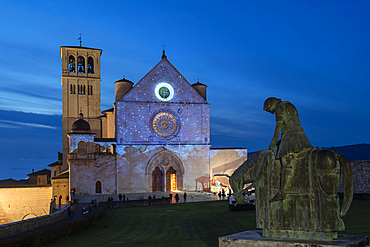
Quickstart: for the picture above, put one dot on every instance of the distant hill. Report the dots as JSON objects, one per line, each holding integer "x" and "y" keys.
{"x": 351, "y": 152}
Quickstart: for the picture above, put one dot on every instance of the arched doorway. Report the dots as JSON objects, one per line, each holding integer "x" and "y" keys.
{"x": 157, "y": 178}
{"x": 98, "y": 187}
{"x": 169, "y": 165}
{"x": 171, "y": 179}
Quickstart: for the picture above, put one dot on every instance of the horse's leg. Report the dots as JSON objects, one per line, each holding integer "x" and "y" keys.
{"x": 248, "y": 172}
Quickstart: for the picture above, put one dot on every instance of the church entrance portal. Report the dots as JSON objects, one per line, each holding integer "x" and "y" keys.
{"x": 157, "y": 178}
{"x": 171, "y": 181}
{"x": 165, "y": 172}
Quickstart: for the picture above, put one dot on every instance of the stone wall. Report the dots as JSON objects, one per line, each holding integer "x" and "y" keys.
{"x": 12, "y": 229}
{"x": 226, "y": 161}
{"x": 61, "y": 188}
{"x": 49, "y": 233}
{"x": 22, "y": 203}
{"x": 361, "y": 177}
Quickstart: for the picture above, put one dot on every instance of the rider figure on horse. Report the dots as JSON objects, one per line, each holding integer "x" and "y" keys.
{"x": 293, "y": 139}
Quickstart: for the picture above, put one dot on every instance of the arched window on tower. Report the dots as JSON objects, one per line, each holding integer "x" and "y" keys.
{"x": 81, "y": 64}
{"x": 72, "y": 64}
{"x": 90, "y": 65}
{"x": 81, "y": 147}
{"x": 98, "y": 187}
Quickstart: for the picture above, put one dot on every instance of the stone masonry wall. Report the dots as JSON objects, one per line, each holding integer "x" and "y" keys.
{"x": 15, "y": 228}
{"x": 361, "y": 177}
{"x": 24, "y": 203}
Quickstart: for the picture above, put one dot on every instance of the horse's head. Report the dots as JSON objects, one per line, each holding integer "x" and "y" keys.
{"x": 237, "y": 187}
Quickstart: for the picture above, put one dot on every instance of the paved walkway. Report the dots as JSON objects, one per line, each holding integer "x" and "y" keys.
{"x": 191, "y": 196}
{"x": 83, "y": 201}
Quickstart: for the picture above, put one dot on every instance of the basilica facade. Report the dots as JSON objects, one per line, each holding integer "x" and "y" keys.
{"x": 155, "y": 138}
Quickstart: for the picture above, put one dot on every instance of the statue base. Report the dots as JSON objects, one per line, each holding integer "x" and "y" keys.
{"x": 255, "y": 239}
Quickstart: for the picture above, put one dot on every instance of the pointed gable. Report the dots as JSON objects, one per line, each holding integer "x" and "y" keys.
{"x": 163, "y": 72}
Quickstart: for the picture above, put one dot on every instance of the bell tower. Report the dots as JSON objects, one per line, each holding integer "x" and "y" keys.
{"x": 80, "y": 90}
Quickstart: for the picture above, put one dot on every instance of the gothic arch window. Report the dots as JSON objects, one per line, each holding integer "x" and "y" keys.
{"x": 98, "y": 187}
{"x": 72, "y": 64}
{"x": 81, "y": 64}
{"x": 90, "y": 65}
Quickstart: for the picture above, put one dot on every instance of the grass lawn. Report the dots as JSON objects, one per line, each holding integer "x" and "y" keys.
{"x": 189, "y": 224}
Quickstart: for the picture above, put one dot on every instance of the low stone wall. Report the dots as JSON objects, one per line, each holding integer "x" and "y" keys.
{"x": 50, "y": 233}
{"x": 12, "y": 229}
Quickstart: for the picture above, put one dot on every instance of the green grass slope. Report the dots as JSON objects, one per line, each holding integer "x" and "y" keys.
{"x": 190, "y": 224}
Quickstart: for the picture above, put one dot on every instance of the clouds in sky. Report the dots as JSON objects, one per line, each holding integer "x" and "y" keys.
{"x": 312, "y": 53}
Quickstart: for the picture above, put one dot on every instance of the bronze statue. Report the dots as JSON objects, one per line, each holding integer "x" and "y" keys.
{"x": 293, "y": 138}
{"x": 296, "y": 184}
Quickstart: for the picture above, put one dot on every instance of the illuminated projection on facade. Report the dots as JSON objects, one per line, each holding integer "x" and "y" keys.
{"x": 155, "y": 138}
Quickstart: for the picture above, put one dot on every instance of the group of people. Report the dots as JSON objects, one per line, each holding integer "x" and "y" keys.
{"x": 177, "y": 197}
{"x": 122, "y": 197}
{"x": 222, "y": 194}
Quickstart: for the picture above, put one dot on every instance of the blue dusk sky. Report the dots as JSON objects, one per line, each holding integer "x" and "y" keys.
{"x": 315, "y": 54}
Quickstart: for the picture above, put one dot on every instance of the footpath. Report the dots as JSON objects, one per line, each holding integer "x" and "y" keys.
{"x": 84, "y": 201}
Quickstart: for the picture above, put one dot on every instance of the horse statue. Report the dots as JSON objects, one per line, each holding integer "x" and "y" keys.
{"x": 296, "y": 193}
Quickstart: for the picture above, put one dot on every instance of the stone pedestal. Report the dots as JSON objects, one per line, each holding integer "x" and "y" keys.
{"x": 255, "y": 239}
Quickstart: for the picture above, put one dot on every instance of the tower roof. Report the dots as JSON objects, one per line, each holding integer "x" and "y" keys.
{"x": 124, "y": 80}
{"x": 81, "y": 126}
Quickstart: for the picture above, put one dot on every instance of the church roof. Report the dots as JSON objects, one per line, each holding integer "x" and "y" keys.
{"x": 62, "y": 175}
{"x": 13, "y": 182}
{"x": 164, "y": 71}
{"x": 109, "y": 110}
{"x": 56, "y": 163}
{"x": 41, "y": 172}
